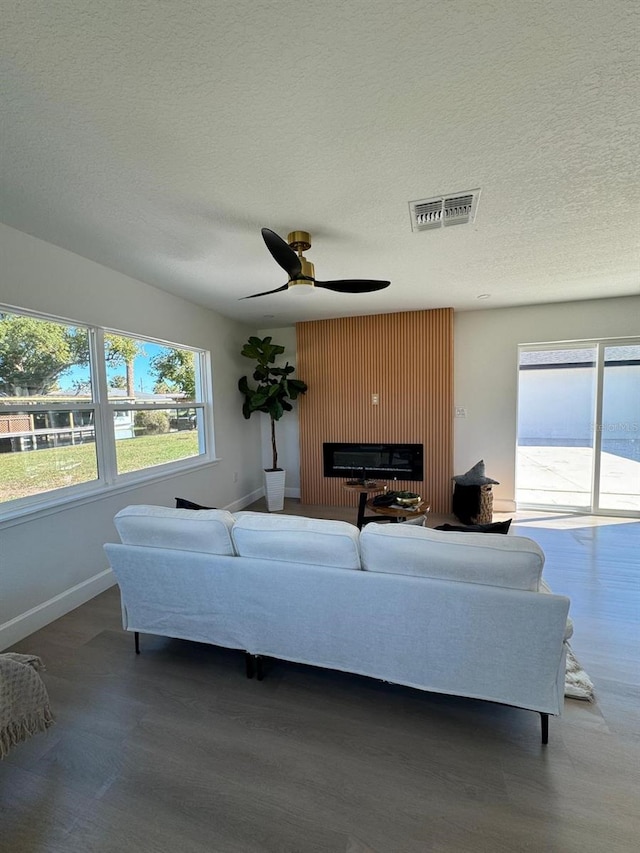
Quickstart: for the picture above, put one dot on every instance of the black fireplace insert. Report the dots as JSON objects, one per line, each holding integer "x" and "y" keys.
{"x": 378, "y": 461}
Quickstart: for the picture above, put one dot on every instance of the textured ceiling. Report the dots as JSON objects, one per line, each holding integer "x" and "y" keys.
{"x": 157, "y": 137}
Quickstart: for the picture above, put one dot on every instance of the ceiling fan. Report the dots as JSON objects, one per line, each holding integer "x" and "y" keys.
{"x": 300, "y": 271}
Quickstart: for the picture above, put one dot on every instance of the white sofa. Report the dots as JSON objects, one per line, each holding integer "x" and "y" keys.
{"x": 455, "y": 613}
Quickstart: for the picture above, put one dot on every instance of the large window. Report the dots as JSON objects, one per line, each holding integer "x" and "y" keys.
{"x": 83, "y": 408}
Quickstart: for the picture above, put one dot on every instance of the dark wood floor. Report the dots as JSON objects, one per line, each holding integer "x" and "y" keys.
{"x": 175, "y": 751}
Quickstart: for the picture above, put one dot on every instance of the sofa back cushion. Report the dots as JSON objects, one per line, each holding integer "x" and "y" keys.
{"x": 294, "y": 539}
{"x": 208, "y": 530}
{"x": 508, "y": 561}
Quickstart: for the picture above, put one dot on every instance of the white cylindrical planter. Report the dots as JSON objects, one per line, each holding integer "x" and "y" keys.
{"x": 274, "y": 489}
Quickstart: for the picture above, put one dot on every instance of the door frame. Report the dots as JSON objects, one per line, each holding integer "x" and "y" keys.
{"x": 600, "y": 344}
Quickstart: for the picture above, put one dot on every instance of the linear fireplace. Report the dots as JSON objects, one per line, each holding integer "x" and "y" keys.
{"x": 383, "y": 461}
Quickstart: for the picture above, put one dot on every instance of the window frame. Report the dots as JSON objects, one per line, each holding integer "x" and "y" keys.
{"x": 108, "y": 479}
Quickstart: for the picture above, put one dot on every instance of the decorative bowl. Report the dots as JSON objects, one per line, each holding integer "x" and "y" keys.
{"x": 407, "y": 499}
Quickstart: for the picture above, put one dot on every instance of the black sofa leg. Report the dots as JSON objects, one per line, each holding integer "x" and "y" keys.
{"x": 253, "y": 664}
{"x": 136, "y": 639}
{"x": 544, "y": 721}
{"x": 249, "y": 664}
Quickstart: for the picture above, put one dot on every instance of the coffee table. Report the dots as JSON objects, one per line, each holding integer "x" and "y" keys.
{"x": 364, "y": 490}
{"x": 399, "y": 514}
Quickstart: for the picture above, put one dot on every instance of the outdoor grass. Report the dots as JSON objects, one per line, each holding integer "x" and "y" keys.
{"x": 35, "y": 471}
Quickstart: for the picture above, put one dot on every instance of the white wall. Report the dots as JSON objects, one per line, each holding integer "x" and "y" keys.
{"x": 486, "y": 372}
{"x": 50, "y": 563}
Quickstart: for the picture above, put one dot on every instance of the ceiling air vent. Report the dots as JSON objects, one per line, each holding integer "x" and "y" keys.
{"x": 452, "y": 209}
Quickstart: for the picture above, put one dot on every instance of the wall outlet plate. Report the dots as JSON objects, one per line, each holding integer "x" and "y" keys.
{"x": 460, "y": 412}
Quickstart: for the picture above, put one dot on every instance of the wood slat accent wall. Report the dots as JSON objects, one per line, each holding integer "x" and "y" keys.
{"x": 405, "y": 358}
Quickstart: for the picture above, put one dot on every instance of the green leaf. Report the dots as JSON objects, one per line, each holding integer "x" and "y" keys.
{"x": 296, "y": 387}
{"x": 35, "y": 353}
{"x": 261, "y": 373}
{"x": 275, "y": 388}
{"x": 175, "y": 371}
{"x": 249, "y": 351}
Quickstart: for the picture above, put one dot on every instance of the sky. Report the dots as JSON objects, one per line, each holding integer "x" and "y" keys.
{"x": 144, "y": 378}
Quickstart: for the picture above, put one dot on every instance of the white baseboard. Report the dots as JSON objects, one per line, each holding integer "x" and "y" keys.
{"x": 504, "y": 505}
{"x": 245, "y": 500}
{"x": 27, "y": 623}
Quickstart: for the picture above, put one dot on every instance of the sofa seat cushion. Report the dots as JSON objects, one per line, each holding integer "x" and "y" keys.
{"x": 514, "y": 562}
{"x": 207, "y": 531}
{"x": 294, "y": 539}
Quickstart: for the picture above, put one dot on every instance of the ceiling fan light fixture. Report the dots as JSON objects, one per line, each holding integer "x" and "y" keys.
{"x": 299, "y": 241}
{"x": 307, "y": 269}
{"x": 301, "y": 272}
{"x": 302, "y": 287}
{"x": 303, "y": 283}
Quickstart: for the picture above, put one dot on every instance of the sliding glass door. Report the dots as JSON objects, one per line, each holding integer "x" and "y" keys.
{"x": 579, "y": 427}
{"x": 618, "y": 431}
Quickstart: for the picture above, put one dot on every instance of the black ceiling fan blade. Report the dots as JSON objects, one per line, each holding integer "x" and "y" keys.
{"x": 353, "y": 285}
{"x": 266, "y": 292}
{"x": 282, "y": 253}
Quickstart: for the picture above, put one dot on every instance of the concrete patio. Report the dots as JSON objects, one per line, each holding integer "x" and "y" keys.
{"x": 561, "y": 476}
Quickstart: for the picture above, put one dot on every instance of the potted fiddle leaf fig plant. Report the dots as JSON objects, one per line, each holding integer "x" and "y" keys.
{"x": 275, "y": 388}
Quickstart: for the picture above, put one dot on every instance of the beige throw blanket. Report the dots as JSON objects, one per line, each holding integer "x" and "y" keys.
{"x": 24, "y": 702}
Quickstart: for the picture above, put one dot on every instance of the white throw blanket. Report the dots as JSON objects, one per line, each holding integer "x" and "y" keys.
{"x": 24, "y": 702}
{"x": 577, "y": 684}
